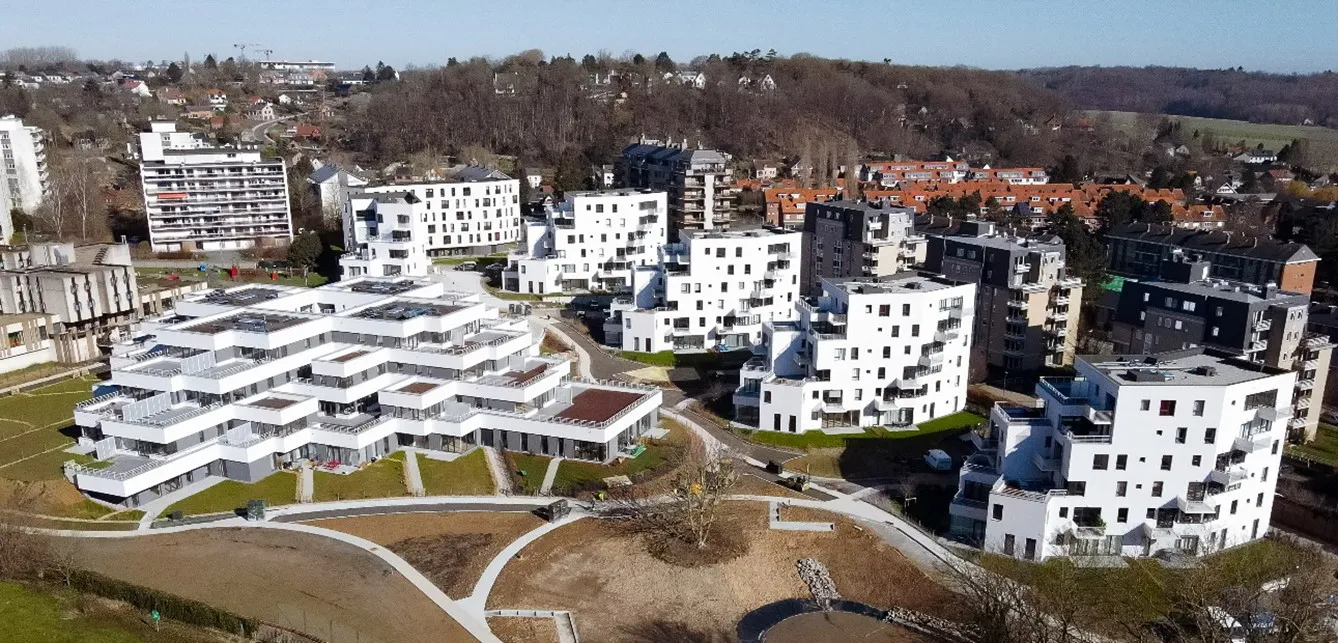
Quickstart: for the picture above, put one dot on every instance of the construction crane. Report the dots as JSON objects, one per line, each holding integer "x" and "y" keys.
{"x": 241, "y": 48}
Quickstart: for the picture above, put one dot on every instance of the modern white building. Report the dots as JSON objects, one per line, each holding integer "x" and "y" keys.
{"x": 394, "y": 250}
{"x": 710, "y": 290}
{"x": 23, "y": 171}
{"x": 244, "y": 381}
{"x": 1137, "y": 455}
{"x": 468, "y": 210}
{"x": 869, "y": 351}
{"x": 589, "y": 241}
{"x": 201, "y": 197}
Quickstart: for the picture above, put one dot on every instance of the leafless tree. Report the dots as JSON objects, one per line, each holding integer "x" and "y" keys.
{"x": 689, "y": 512}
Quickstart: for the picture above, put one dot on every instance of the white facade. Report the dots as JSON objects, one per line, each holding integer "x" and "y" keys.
{"x": 1135, "y": 456}
{"x": 867, "y": 352}
{"x": 246, "y": 380}
{"x": 590, "y": 241}
{"x": 712, "y": 289}
{"x": 476, "y": 210}
{"x": 23, "y": 171}
{"x": 201, "y": 197}
{"x": 394, "y": 250}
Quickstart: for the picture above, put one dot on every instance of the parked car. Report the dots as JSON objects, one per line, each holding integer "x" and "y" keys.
{"x": 468, "y": 265}
{"x": 938, "y": 460}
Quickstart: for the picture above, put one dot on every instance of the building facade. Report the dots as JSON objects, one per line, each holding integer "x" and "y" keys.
{"x": 1137, "y": 455}
{"x": 201, "y": 197}
{"x": 697, "y": 182}
{"x": 868, "y": 351}
{"x": 1188, "y": 308}
{"x": 847, "y": 239}
{"x": 23, "y": 170}
{"x": 244, "y": 381}
{"x": 470, "y": 210}
{"x": 710, "y": 290}
{"x": 386, "y": 245}
{"x": 1027, "y": 306}
{"x": 589, "y": 241}
{"x": 1138, "y": 249}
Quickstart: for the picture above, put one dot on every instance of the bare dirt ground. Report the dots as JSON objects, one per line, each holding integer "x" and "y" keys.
{"x": 839, "y": 627}
{"x": 751, "y": 485}
{"x": 306, "y": 582}
{"x": 451, "y": 549}
{"x": 618, "y": 592}
{"x": 524, "y": 630}
{"x": 807, "y": 514}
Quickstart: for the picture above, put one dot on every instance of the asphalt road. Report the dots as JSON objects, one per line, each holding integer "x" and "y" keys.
{"x": 349, "y": 512}
{"x": 256, "y": 133}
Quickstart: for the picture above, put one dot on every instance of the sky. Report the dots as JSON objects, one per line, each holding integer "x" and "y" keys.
{"x": 1279, "y": 36}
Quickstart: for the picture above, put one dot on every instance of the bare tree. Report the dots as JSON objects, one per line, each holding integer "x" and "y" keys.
{"x": 688, "y": 514}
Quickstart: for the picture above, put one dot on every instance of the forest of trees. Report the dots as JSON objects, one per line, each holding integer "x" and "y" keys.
{"x": 1288, "y": 99}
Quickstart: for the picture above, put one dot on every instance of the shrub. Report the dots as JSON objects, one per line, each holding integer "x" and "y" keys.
{"x": 169, "y": 606}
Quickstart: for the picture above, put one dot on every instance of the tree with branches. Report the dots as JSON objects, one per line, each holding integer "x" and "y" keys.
{"x": 686, "y": 518}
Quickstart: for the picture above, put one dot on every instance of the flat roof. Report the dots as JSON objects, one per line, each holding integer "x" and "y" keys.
{"x": 418, "y": 388}
{"x": 401, "y": 310}
{"x": 1191, "y": 367}
{"x": 274, "y": 403}
{"x": 1232, "y": 291}
{"x": 248, "y": 296}
{"x": 902, "y": 282}
{"x": 247, "y": 322}
{"x": 349, "y": 356}
{"x": 598, "y": 405}
{"x": 523, "y": 377}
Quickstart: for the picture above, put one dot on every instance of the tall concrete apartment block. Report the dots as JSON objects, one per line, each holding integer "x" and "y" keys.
{"x": 1027, "y": 305}
{"x": 589, "y": 241}
{"x": 1138, "y": 249}
{"x": 241, "y": 382}
{"x": 709, "y": 290}
{"x": 1136, "y": 456}
{"x": 850, "y": 239}
{"x": 1187, "y": 307}
{"x": 696, "y": 180}
{"x": 198, "y": 196}
{"x": 465, "y": 210}
{"x": 867, "y": 352}
{"x": 23, "y": 170}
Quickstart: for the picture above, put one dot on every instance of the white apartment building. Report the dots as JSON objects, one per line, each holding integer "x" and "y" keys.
{"x": 710, "y": 290}
{"x": 394, "y": 249}
{"x": 589, "y": 241}
{"x": 1175, "y": 452}
{"x": 243, "y": 381}
{"x": 23, "y": 171}
{"x": 869, "y": 351}
{"x": 201, "y": 197}
{"x": 469, "y": 210}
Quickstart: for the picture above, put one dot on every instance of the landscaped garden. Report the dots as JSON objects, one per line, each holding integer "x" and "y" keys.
{"x": 574, "y": 476}
{"x": 1323, "y": 449}
{"x": 526, "y": 471}
{"x": 870, "y": 453}
{"x": 381, "y": 479}
{"x": 35, "y": 431}
{"x": 279, "y": 488}
{"x": 467, "y": 475}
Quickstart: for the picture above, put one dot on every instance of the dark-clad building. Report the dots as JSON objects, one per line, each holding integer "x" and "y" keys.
{"x": 1139, "y": 249}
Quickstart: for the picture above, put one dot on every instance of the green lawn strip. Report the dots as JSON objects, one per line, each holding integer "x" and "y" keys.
{"x": 467, "y": 475}
{"x": 34, "y": 372}
{"x": 128, "y": 514}
{"x": 85, "y": 509}
{"x": 11, "y": 428}
{"x": 820, "y": 440}
{"x": 574, "y": 476}
{"x": 533, "y": 466}
{"x": 41, "y": 613}
{"x": 481, "y": 261}
{"x": 1324, "y": 448}
{"x": 34, "y": 456}
{"x": 381, "y": 479}
{"x": 279, "y": 488}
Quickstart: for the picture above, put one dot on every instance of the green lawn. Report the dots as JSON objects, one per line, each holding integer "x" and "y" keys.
{"x": 1324, "y": 448}
{"x": 129, "y": 514}
{"x": 279, "y": 488}
{"x": 467, "y": 475}
{"x": 34, "y": 372}
{"x": 1272, "y": 136}
{"x": 481, "y": 261}
{"x": 534, "y": 466}
{"x": 381, "y": 479}
{"x": 37, "y": 614}
{"x": 44, "y": 452}
{"x": 220, "y": 279}
{"x": 575, "y": 476}
{"x": 47, "y": 405}
{"x": 820, "y": 440}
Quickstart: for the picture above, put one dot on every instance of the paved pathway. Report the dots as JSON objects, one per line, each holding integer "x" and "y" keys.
{"x": 413, "y": 479}
{"x": 602, "y": 366}
{"x": 306, "y": 483}
{"x": 500, "y": 476}
{"x": 476, "y": 602}
{"x": 551, "y": 474}
{"x": 439, "y": 507}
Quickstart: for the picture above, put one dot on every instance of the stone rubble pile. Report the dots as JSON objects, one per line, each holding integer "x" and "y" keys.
{"x": 819, "y": 581}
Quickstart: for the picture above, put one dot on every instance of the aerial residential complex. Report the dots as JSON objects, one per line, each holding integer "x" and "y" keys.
{"x": 1137, "y": 455}
{"x": 1189, "y": 308}
{"x": 470, "y": 210}
{"x": 23, "y": 171}
{"x": 386, "y": 246}
{"x": 857, "y": 239}
{"x": 868, "y": 351}
{"x": 1027, "y": 305}
{"x": 243, "y": 381}
{"x": 1137, "y": 250}
{"x": 709, "y": 290}
{"x": 198, "y": 196}
{"x": 589, "y": 241}
{"x": 697, "y": 181}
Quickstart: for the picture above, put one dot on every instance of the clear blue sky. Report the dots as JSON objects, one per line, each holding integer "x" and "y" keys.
{"x": 1286, "y": 36}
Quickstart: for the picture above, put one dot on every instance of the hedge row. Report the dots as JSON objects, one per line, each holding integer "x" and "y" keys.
{"x": 709, "y": 360}
{"x": 169, "y": 606}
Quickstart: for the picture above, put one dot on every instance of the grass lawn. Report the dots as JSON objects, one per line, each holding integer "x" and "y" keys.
{"x": 44, "y": 452}
{"x": 820, "y": 440}
{"x": 34, "y": 372}
{"x": 30, "y": 613}
{"x": 1271, "y": 135}
{"x": 381, "y": 479}
{"x": 467, "y": 475}
{"x": 574, "y": 476}
{"x": 47, "y": 405}
{"x": 1324, "y": 448}
{"x": 534, "y": 466}
{"x": 220, "y": 279}
{"x": 129, "y": 514}
{"x": 280, "y": 488}
{"x": 481, "y": 261}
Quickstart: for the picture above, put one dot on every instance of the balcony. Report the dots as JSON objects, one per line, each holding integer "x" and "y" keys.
{"x": 1057, "y": 315}
{"x": 1302, "y": 403}
{"x": 1020, "y": 304}
{"x": 1047, "y": 464}
{"x": 1088, "y": 438}
{"x": 1253, "y": 444}
{"x": 1228, "y": 476}
{"x": 1305, "y": 385}
{"x": 1014, "y": 318}
{"x": 1273, "y": 414}
{"x": 949, "y": 335}
{"x": 1263, "y": 325}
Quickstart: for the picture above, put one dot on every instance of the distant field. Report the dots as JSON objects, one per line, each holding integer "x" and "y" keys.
{"x": 1272, "y": 136}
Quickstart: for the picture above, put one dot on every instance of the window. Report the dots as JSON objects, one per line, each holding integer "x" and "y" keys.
{"x": 1233, "y": 506}
{"x": 1145, "y": 405}
{"x": 1063, "y": 512}
{"x": 1198, "y": 408}
{"x": 1209, "y": 436}
{"x": 1121, "y": 488}
{"x": 1263, "y": 475}
{"x": 1167, "y": 408}
{"x": 915, "y": 330}
{"x": 1152, "y": 513}
{"x": 1180, "y": 435}
{"x": 1121, "y": 462}
{"x": 1196, "y": 460}
{"x": 1122, "y": 515}
{"x": 1100, "y": 461}
{"x": 887, "y": 352}
{"x": 1166, "y": 462}
{"x": 998, "y": 512}
{"x": 1259, "y": 500}
{"x": 766, "y": 397}
{"x": 1156, "y": 489}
